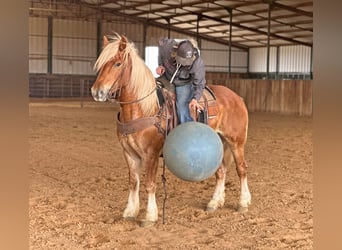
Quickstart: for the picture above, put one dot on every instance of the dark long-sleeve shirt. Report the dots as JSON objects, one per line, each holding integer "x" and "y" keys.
{"x": 194, "y": 74}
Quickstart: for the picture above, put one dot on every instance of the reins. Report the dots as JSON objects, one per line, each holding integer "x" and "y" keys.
{"x": 111, "y": 99}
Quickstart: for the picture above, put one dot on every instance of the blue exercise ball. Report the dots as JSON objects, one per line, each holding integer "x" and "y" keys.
{"x": 193, "y": 151}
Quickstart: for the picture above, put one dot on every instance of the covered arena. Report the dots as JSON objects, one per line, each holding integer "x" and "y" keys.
{"x": 262, "y": 50}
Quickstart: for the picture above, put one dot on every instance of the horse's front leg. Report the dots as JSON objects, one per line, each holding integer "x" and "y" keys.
{"x": 151, "y": 166}
{"x": 218, "y": 198}
{"x": 219, "y": 194}
{"x": 132, "y": 209}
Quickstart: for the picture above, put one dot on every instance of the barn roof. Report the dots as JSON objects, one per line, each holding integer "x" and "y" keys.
{"x": 245, "y": 22}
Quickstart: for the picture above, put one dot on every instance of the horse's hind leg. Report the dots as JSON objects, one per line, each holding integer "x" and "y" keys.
{"x": 241, "y": 168}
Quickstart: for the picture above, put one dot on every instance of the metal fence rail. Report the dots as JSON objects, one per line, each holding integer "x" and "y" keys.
{"x": 60, "y": 86}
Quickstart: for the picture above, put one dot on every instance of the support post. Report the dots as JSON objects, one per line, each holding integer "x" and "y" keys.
{"x": 168, "y": 28}
{"x": 199, "y": 17}
{"x": 98, "y": 38}
{"x": 230, "y": 11}
{"x": 268, "y": 40}
{"x": 277, "y": 62}
{"x": 82, "y": 92}
{"x": 144, "y": 41}
{"x": 311, "y": 65}
{"x": 49, "y": 41}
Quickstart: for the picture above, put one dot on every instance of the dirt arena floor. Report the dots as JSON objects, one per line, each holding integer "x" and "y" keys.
{"x": 78, "y": 187}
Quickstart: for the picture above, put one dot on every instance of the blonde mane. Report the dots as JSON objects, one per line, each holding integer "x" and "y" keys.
{"x": 142, "y": 82}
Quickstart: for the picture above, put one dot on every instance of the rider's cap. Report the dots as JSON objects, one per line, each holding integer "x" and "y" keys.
{"x": 185, "y": 53}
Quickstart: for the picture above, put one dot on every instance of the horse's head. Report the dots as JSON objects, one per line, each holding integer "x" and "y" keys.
{"x": 111, "y": 67}
{"x": 124, "y": 76}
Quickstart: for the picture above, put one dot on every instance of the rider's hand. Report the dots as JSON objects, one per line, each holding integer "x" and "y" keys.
{"x": 194, "y": 105}
{"x": 160, "y": 70}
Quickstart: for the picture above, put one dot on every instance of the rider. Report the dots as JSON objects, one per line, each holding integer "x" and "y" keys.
{"x": 185, "y": 69}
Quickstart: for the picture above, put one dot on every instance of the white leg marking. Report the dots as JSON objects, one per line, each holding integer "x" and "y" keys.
{"x": 245, "y": 196}
{"x": 218, "y": 196}
{"x": 132, "y": 208}
{"x": 152, "y": 209}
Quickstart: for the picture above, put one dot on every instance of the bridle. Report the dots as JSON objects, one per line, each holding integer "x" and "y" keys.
{"x": 113, "y": 97}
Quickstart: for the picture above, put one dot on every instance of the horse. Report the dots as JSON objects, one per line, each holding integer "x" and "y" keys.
{"x": 124, "y": 76}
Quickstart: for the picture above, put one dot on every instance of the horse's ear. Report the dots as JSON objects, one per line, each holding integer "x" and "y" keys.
{"x": 123, "y": 43}
{"x": 105, "y": 41}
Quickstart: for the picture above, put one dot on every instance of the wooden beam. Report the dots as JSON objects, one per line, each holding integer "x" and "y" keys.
{"x": 293, "y": 9}
{"x": 258, "y": 31}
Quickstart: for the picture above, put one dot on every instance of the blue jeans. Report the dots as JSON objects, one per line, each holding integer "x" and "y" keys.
{"x": 183, "y": 97}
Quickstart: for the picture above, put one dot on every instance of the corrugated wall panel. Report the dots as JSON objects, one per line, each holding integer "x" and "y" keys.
{"x": 132, "y": 31}
{"x": 73, "y": 28}
{"x": 38, "y": 45}
{"x": 154, "y": 34}
{"x": 205, "y": 44}
{"x": 74, "y": 47}
{"x": 37, "y": 26}
{"x": 239, "y": 61}
{"x": 215, "y": 60}
{"x": 216, "y": 57}
{"x": 258, "y": 59}
{"x": 294, "y": 58}
{"x": 178, "y": 35}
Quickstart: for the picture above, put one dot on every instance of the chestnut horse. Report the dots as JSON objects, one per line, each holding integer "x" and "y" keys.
{"x": 123, "y": 75}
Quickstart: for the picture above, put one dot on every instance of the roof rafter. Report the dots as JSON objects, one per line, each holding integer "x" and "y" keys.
{"x": 208, "y": 17}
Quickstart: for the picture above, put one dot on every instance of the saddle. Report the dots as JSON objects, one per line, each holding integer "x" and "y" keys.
{"x": 167, "y": 101}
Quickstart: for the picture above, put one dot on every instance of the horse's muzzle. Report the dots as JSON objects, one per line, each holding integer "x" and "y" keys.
{"x": 99, "y": 95}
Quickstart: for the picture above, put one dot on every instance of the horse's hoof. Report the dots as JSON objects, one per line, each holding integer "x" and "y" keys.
{"x": 210, "y": 209}
{"x": 129, "y": 218}
{"x": 147, "y": 223}
{"x": 242, "y": 209}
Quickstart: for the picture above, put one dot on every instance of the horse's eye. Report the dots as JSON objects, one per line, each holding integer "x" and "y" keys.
{"x": 117, "y": 65}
